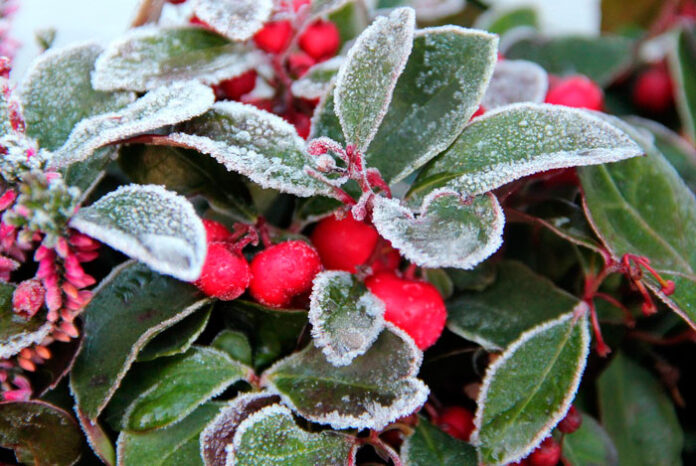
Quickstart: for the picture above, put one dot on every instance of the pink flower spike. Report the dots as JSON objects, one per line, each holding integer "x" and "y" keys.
{"x": 83, "y": 242}
{"x": 28, "y": 298}
{"x": 69, "y": 329}
{"x": 22, "y": 382}
{"x": 54, "y": 299}
{"x": 42, "y": 252}
{"x": 50, "y": 176}
{"x": 46, "y": 268}
{"x": 23, "y": 211}
{"x": 17, "y": 395}
{"x": 82, "y": 281}
{"x": 7, "y": 199}
{"x": 62, "y": 247}
{"x": 52, "y": 316}
{"x": 86, "y": 256}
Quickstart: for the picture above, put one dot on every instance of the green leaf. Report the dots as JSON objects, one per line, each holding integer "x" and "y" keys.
{"x": 477, "y": 279}
{"x": 16, "y": 332}
{"x": 88, "y": 173}
{"x": 148, "y": 57}
{"x": 176, "y": 339}
{"x": 346, "y": 318}
{"x": 317, "y": 80}
{"x": 499, "y": 21}
{"x": 324, "y": 121}
{"x": 440, "y": 280}
{"x": 271, "y": 437}
{"x": 439, "y": 90}
{"x": 235, "y": 344}
{"x": 449, "y": 232}
{"x": 56, "y": 94}
{"x": 130, "y": 306}
{"x": 158, "y": 108}
{"x": 429, "y": 446}
{"x": 169, "y": 389}
{"x": 529, "y": 388}
{"x": 39, "y": 433}
{"x": 255, "y": 143}
{"x": 515, "y": 81}
{"x": 520, "y": 140}
{"x": 517, "y": 301}
{"x": 642, "y": 207}
{"x": 638, "y": 415}
{"x": 368, "y": 393}
{"x": 150, "y": 224}
{"x": 98, "y": 440}
{"x": 234, "y": 19}
{"x": 174, "y": 445}
{"x": 602, "y": 59}
{"x": 5, "y": 123}
{"x": 590, "y": 445}
{"x": 682, "y": 60}
{"x": 367, "y": 77}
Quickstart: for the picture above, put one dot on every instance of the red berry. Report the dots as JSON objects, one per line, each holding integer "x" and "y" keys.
{"x": 274, "y": 37}
{"x": 577, "y": 92}
{"x": 344, "y": 244}
{"x": 571, "y": 422}
{"x": 301, "y": 122}
{"x": 653, "y": 90}
{"x": 387, "y": 259}
{"x": 263, "y": 104}
{"x": 299, "y": 63}
{"x": 176, "y": 2}
{"x": 457, "y": 421}
{"x": 225, "y": 273}
{"x": 546, "y": 454}
{"x": 215, "y": 231}
{"x": 236, "y": 87}
{"x": 479, "y": 111}
{"x": 282, "y": 272}
{"x": 414, "y": 306}
{"x": 320, "y": 40}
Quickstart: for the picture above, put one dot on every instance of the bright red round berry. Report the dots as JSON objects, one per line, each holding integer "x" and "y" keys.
{"x": 320, "y": 40}
{"x": 344, "y": 244}
{"x": 546, "y": 454}
{"x": 236, "y": 87}
{"x": 215, "y": 231}
{"x": 301, "y": 122}
{"x": 571, "y": 422}
{"x": 282, "y": 272}
{"x": 299, "y": 63}
{"x": 457, "y": 421}
{"x": 577, "y": 92}
{"x": 414, "y": 306}
{"x": 386, "y": 258}
{"x": 274, "y": 37}
{"x": 225, "y": 273}
{"x": 653, "y": 90}
{"x": 176, "y": 2}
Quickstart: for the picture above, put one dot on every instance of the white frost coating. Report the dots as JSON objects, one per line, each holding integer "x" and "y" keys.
{"x": 234, "y": 19}
{"x": 249, "y": 422}
{"x": 163, "y": 106}
{"x": 436, "y": 241}
{"x": 17, "y": 342}
{"x": 432, "y": 10}
{"x": 556, "y": 416}
{"x": 515, "y": 81}
{"x": 150, "y": 224}
{"x": 256, "y": 141}
{"x": 366, "y": 80}
{"x": 317, "y": 81}
{"x": 146, "y": 58}
{"x": 343, "y": 330}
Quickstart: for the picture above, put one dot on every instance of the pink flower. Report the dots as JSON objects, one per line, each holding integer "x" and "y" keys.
{"x": 28, "y": 298}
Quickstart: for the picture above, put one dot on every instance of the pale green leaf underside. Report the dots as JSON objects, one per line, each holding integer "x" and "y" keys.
{"x": 529, "y": 389}
{"x": 16, "y": 333}
{"x": 317, "y": 80}
{"x": 515, "y": 81}
{"x": 429, "y": 446}
{"x": 234, "y": 19}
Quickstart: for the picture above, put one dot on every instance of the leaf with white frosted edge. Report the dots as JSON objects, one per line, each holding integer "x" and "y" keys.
{"x": 270, "y": 436}
{"x": 149, "y": 57}
{"x": 519, "y": 140}
{"x": 56, "y": 94}
{"x": 150, "y": 224}
{"x": 323, "y": 7}
{"x": 375, "y": 389}
{"x": 433, "y": 10}
{"x": 234, "y": 19}
{"x": 255, "y": 143}
{"x": 98, "y": 440}
{"x": 430, "y": 446}
{"x": 439, "y": 90}
{"x": 367, "y": 77}
{"x": 164, "y": 106}
{"x": 5, "y": 123}
{"x": 176, "y": 339}
{"x": 324, "y": 120}
{"x": 346, "y": 318}
{"x": 220, "y": 431}
{"x": 16, "y": 333}
{"x": 449, "y": 232}
{"x": 317, "y": 80}
{"x": 530, "y": 387}
{"x": 515, "y": 81}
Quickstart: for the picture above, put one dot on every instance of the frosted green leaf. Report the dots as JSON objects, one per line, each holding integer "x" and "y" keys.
{"x": 346, "y": 318}
{"x": 375, "y": 389}
{"x": 429, "y": 446}
{"x": 500, "y": 20}
{"x": 590, "y": 445}
{"x": 150, "y": 224}
{"x": 439, "y": 90}
{"x": 56, "y": 94}
{"x": 234, "y": 19}
{"x": 323, "y": 7}
{"x": 324, "y": 120}
{"x": 522, "y": 139}
{"x": 515, "y": 81}
{"x": 236, "y": 344}
{"x": 148, "y": 57}
{"x": 317, "y": 80}
{"x": 98, "y": 440}
{"x": 682, "y": 68}
{"x": 450, "y": 231}
{"x": 255, "y": 143}
{"x": 367, "y": 77}
{"x": 176, "y": 339}
{"x": 270, "y": 437}
{"x": 5, "y": 124}
{"x": 161, "y": 107}
{"x": 529, "y": 388}
{"x": 16, "y": 333}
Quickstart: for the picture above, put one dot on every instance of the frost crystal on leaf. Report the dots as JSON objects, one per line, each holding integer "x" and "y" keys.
{"x": 515, "y": 81}
{"x": 346, "y": 318}
{"x": 149, "y": 57}
{"x": 317, "y": 81}
{"x": 366, "y": 79}
{"x": 234, "y": 19}
{"x": 450, "y": 231}
{"x": 161, "y": 107}
{"x": 11, "y": 344}
{"x": 150, "y": 224}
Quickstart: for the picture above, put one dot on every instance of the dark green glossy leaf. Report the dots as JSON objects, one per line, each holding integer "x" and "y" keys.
{"x": 683, "y": 68}
{"x": 17, "y": 332}
{"x": 440, "y": 280}
{"x": 235, "y": 344}
{"x": 98, "y": 440}
{"x": 429, "y": 446}
{"x": 590, "y": 445}
{"x": 477, "y": 279}
{"x": 177, "y": 338}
